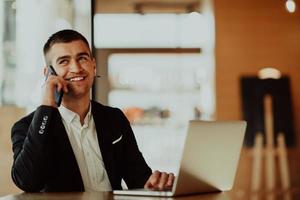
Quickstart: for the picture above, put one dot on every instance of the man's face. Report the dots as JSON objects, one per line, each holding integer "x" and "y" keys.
{"x": 73, "y": 61}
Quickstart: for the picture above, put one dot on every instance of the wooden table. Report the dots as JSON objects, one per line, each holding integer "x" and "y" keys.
{"x": 232, "y": 195}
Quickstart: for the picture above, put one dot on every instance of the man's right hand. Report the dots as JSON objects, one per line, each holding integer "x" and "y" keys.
{"x": 52, "y": 83}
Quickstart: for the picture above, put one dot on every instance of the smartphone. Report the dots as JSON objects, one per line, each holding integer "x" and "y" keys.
{"x": 57, "y": 95}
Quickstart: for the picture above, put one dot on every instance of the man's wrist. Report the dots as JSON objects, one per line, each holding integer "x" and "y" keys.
{"x": 49, "y": 103}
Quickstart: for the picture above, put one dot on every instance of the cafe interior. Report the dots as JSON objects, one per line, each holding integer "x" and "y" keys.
{"x": 164, "y": 63}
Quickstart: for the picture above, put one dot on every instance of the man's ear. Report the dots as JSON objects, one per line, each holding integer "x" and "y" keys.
{"x": 45, "y": 70}
{"x": 95, "y": 68}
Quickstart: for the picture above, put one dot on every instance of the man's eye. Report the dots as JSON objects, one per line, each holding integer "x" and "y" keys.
{"x": 83, "y": 58}
{"x": 63, "y": 62}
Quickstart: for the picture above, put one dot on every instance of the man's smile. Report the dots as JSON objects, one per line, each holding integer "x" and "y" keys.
{"x": 75, "y": 78}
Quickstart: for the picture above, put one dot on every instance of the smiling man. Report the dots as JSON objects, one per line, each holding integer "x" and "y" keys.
{"x": 81, "y": 145}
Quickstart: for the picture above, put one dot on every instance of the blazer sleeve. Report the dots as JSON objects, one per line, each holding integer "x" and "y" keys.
{"x": 135, "y": 169}
{"x": 31, "y": 141}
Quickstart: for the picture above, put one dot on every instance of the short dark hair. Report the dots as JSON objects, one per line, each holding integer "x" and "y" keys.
{"x": 63, "y": 36}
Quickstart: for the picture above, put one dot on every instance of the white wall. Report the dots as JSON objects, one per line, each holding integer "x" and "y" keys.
{"x": 1, "y": 46}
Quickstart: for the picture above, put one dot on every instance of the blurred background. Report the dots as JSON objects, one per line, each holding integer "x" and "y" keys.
{"x": 163, "y": 62}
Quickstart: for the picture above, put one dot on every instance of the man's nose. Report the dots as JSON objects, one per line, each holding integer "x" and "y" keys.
{"x": 75, "y": 67}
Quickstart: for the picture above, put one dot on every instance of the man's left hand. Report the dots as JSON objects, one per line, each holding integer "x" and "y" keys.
{"x": 160, "y": 181}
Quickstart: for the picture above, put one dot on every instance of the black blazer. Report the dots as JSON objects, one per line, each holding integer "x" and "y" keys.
{"x": 44, "y": 159}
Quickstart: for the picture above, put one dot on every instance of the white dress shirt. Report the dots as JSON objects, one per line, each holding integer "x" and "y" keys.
{"x": 84, "y": 142}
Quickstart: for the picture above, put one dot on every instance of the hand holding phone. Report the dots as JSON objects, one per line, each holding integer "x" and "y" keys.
{"x": 57, "y": 94}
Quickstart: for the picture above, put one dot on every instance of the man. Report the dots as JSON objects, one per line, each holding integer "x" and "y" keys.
{"x": 80, "y": 145}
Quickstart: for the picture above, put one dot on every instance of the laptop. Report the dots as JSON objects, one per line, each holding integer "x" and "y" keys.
{"x": 209, "y": 160}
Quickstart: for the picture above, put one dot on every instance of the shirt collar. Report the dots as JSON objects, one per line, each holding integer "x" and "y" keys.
{"x": 68, "y": 115}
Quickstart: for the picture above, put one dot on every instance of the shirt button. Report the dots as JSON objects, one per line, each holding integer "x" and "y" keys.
{"x": 45, "y": 118}
{"x": 42, "y": 127}
{"x": 41, "y": 131}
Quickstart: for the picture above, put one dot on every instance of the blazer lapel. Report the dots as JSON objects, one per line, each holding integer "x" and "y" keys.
{"x": 104, "y": 131}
